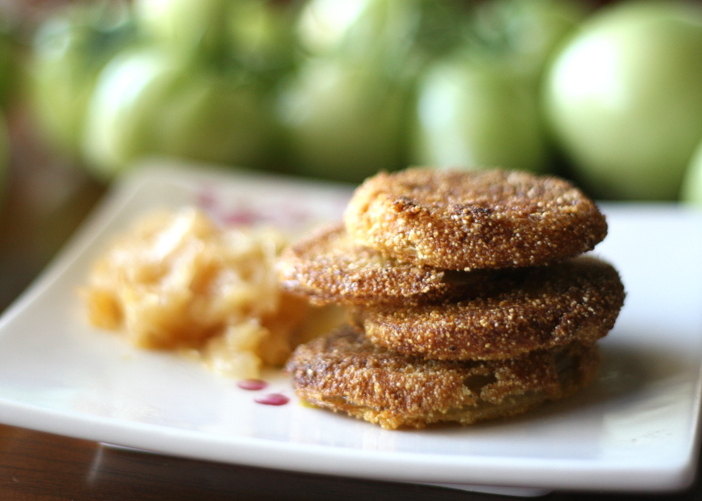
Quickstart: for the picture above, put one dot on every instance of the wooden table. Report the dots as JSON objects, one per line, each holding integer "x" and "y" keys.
{"x": 45, "y": 202}
{"x": 47, "y": 467}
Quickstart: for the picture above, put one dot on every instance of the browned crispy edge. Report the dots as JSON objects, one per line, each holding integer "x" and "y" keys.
{"x": 344, "y": 372}
{"x": 327, "y": 266}
{"x": 536, "y": 308}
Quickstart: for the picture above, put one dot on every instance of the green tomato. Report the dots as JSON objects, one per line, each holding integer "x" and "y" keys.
{"x": 403, "y": 35}
{"x": 180, "y": 23}
{"x": 480, "y": 107}
{"x": 527, "y": 30}
{"x": 347, "y": 109}
{"x": 399, "y": 35}
{"x": 478, "y": 115}
{"x": 263, "y": 36}
{"x": 259, "y": 35}
{"x": 624, "y": 98}
{"x": 151, "y": 102}
{"x": 70, "y": 49}
{"x": 344, "y": 121}
{"x": 324, "y": 24}
{"x": 691, "y": 192}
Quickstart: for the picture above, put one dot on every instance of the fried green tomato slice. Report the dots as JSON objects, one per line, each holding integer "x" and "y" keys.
{"x": 344, "y": 372}
{"x": 527, "y": 309}
{"x": 327, "y": 266}
{"x": 472, "y": 219}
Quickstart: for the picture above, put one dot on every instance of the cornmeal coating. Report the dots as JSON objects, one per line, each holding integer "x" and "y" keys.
{"x": 532, "y": 308}
{"x": 327, "y": 266}
{"x": 345, "y": 372}
{"x": 458, "y": 219}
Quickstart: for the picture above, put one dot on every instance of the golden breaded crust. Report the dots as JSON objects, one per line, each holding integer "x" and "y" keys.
{"x": 459, "y": 220}
{"x": 345, "y": 372}
{"x": 532, "y": 308}
{"x": 329, "y": 267}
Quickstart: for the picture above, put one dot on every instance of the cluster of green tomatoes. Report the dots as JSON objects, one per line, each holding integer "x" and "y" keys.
{"x": 607, "y": 93}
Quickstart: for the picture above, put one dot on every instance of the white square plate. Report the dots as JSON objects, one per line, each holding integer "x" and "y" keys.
{"x": 635, "y": 429}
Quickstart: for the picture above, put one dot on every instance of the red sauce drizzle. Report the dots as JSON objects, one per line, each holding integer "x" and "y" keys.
{"x": 252, "y": 384}
{"x": 272, "y": 399}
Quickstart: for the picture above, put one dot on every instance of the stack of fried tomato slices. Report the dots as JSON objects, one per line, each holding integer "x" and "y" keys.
{"x": 470, "y": 295}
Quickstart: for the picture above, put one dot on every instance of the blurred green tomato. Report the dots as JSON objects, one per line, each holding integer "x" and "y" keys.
{"x": 70, "y": 49}
{"x": 263, "y": 36}
{"x": 344, "y": 121}
{"x": 152, "y": 102}
{"x": 624, "y": 98}
{"x": 480, "y": 107}
{"x": 691, "y": 191}
{"x": 478, "y": 114}
{"x": 347, "y": 111}
{"x": 180, "y": 23}
{"x": 258, "y": 34}
{"x": 324, "y": 24}
{"x": 528, "y": 31}
{"x": 403, "y": 35}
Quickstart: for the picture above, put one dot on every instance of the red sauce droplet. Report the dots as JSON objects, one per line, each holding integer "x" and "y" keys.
{"x": 252, "y": 384}
{"x": 273, "y": 399}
